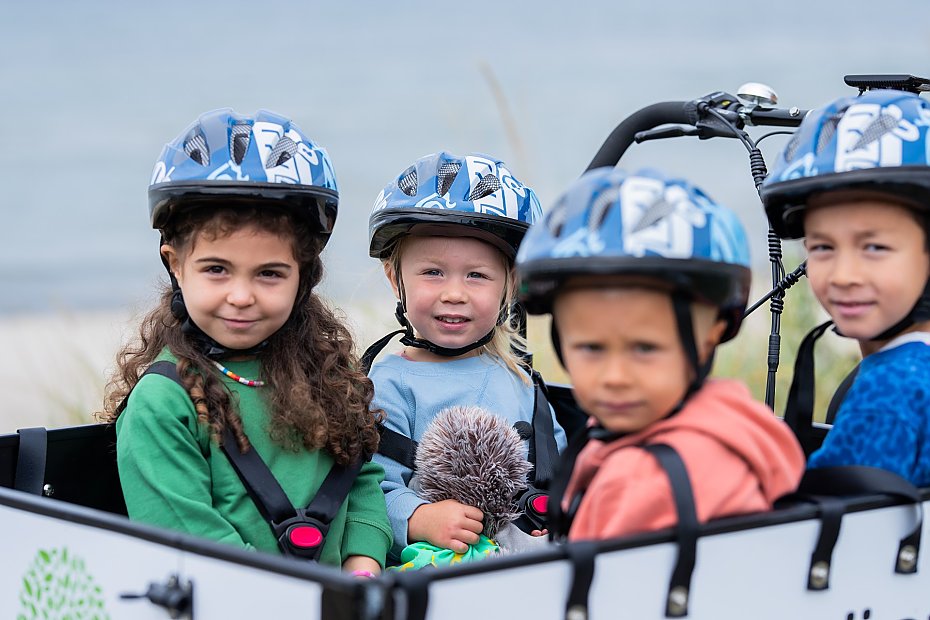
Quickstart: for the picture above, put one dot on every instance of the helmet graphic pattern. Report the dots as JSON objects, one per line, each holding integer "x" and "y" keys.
{"x": 261, "y": 158}
{"x": 475, "y": 191}
{"x": 612, "y": 223}
{"x": 877, "y": 141}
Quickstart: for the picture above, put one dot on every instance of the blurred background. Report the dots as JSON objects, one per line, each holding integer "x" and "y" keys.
{"x": 91, "y": 91}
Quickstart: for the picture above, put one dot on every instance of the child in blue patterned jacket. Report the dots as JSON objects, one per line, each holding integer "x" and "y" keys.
{"x": 854, "y": 181}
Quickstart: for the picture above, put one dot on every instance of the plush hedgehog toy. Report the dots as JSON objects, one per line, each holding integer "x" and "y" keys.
{"x": 476, "y": 458}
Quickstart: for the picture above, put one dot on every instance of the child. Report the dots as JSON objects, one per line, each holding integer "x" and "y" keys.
{"x": 446, "y": 231}
{"x": 644, "y": 276}
{"x": 854, "y": 181}
{"x": 244, "y": 206}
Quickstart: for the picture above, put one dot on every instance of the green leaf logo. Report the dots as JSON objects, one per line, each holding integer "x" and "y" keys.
{"x": 58, "y": 587}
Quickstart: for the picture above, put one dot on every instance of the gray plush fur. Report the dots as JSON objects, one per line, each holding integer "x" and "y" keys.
{"x": 476, "y": 458}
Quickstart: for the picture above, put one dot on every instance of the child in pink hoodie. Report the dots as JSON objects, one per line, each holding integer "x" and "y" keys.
{"x": 644, "y": 276}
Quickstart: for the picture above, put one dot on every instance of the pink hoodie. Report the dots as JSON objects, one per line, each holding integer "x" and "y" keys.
{"x": 739, "y": 456}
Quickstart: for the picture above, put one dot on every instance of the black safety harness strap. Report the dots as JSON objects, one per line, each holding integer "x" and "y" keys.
{"x": 560, "y": 520}
{"x": 799, "y": 408}
{"x": 582, "y": 554}
{"x": 543, "y": 452}
{"x": 679, "y": 587}
{"x": 398, "y": 447}
{"x": 30, "y": 460}
{"x": 824, "y": 486}
{"x": 300, "y": 532}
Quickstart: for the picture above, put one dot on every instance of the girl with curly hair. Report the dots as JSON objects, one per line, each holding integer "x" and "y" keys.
{"x": 244, "y": 206}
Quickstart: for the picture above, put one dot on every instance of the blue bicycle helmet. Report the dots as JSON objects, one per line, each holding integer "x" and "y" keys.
{"x": 612, "y": 223}
{"x": 443, "y": 194}
{"x": 476, "y": 192}
{"x": 226, "y": 158}
{"x": 878, "y": 141}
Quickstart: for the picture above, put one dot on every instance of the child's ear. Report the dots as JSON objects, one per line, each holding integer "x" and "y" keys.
{"x": 390, "y": 274}
{"x": 712, "y": 339}
{"x": 170, "y": 255}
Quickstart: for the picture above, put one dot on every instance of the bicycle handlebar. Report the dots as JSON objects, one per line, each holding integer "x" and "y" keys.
{"x": 651, "y": 116}
{"x": 683, "y": 112}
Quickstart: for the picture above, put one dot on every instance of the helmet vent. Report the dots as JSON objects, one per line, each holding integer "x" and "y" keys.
{"x": 239, "y": 141}
{"x": 600, "y": 206}
{"x": 556, "y": 219}
{"x": 196, "y": 148}
{"x": 408, "y": 182}
{"x": 446, "y": 175}
{"x": 655, "y": 213}
{"x": 827, "y": 132}
{"x": 282, "y": 151}
{"x": 792, "y": 147}
{"x": 488, "y": 184}
{"x": 885, "y": 123}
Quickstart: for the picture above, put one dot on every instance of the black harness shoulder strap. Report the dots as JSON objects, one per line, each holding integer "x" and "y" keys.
{"x": 823, "y": 485}
{"x": 398, "y": 447}
{"x": 300, "y": 532}
{"x": 679, "y": 587}
{"x": 543, "y": 452}
{"x": 31, "y": 456}
{"x": 581, "y": 554}
{"x": 799, "y": 408}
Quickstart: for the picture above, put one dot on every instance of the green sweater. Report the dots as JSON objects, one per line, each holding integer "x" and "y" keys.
{"x": 175, "y": 477}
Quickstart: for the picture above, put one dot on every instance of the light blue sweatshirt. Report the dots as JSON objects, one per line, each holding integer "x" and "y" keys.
{"x": 413, "y": 393}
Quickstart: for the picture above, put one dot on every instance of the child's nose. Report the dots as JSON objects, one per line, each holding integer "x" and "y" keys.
{"x": 454, "y": 292}
{"x": 240, "y": 294}
{"x": 616, "y": 372}
{"x": 846, "y": 270}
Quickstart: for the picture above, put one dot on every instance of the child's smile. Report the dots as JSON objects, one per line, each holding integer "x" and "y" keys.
{"x": 453, "y": 288}
{"x": 240, "y": 288}
{"x": 867, "y": 263}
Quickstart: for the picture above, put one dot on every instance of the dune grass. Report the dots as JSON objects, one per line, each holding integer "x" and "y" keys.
{"x": 63, "y": 384}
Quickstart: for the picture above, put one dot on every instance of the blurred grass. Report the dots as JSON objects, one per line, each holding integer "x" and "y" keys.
{"x": 745, "y": 357}
{"x": 58, "y": 363}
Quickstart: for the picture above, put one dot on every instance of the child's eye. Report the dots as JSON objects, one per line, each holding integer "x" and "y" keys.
{"x": 215, "y": 269}
{"x": 818, "y": 248}
{"x": 270, "y": 273}
{"x": 432, "y": 272}
{"x": 645, "y": 347}
{"x": 876, "y": 247}
{"x": 588, "y": 347}
{"x": 477, "y": 274}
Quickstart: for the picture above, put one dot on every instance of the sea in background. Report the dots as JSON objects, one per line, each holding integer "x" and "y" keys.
{"x": 90, "y": 92}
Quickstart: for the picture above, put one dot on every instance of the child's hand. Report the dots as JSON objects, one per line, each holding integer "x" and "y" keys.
{"x": 539, "y": 533}
{"x": 446, "y": 524}
{"x": 359, "y": 565}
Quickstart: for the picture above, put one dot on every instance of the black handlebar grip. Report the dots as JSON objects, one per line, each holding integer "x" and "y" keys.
{"x": 778, "y": 117}
{"x": 651, "y": 116}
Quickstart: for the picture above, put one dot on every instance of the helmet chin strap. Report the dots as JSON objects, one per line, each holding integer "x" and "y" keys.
{"x": 919, "y": 313}
{"x": 408, "y": 339}
{"x": 207, "y": 345}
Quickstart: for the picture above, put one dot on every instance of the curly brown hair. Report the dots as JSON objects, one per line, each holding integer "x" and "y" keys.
{"x": 317, "y": 396}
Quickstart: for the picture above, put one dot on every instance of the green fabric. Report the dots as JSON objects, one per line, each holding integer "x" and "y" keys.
{"x": 422, "y": 554}
{"x": 175, "y": 477}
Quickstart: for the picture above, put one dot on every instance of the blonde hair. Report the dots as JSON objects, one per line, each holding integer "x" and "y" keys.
{"x": 507, "y": 345}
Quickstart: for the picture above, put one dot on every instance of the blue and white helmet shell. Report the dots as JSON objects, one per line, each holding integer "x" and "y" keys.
{"x": 476, "y": 193}
{"x": 610, "y": 223}
{"x": 877, "y": 142}
{"x": 226, "y": 158}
